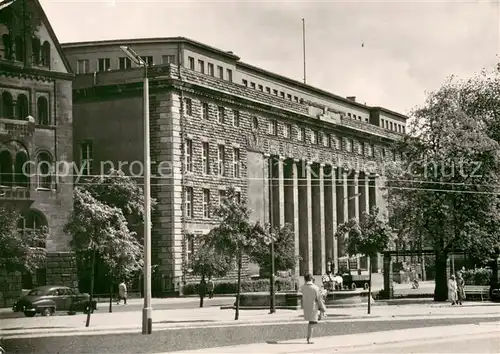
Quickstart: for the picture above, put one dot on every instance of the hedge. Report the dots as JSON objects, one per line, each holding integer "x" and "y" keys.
{"x": 479, "y": 276}
{"x": 247, "y": 286}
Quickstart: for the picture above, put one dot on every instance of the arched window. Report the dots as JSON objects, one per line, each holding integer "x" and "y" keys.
{"x": 7, "y": 47}
{"x": 5, "y": 168}
{"x": 21, "y": 170}
{"x": 19, "y": 49}
{"x": 7, "y": 106}
{"x": 22, "y": 107}
{"x": 46, "y": 54}
{"x": 255, "y": 123}
{"x": 44, "y": 170}
{"x": 43, "y": 111}
{"x": 36, "y": 48}
{"x": 32, "y": 221}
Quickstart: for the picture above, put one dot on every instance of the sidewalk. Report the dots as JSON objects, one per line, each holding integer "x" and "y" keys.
{"x": 364, "y": 342}
{"x": 128, "y": 322}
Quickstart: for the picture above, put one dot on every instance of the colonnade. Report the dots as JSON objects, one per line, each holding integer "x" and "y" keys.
{"x": 315, "y": 198}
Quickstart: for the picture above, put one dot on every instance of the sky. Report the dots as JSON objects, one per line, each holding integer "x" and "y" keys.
{"x": 386, "y": 53}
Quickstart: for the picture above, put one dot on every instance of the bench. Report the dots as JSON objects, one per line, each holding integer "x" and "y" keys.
{"x": 481, "y": 290}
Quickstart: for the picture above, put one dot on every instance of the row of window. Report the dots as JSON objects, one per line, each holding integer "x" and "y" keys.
{"x": 400, "y": 128}
{"x": 210, "y": 69}
{"x": 104, "y": 64}
{"x": 354, "y": 116}
{"x": 20, "y": 108}
{"x": 15, "y": 172}
{"x": 205, "y": 159}
{"x": 206, "y": 201}
{"x": 221, "y": 112}
{"x": 268, "y": 90}
{"x": 16, "y": 50}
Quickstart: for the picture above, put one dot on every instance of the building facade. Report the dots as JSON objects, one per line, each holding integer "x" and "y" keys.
{"x": 295, "y": 153}
{"x": 35, "y": 132}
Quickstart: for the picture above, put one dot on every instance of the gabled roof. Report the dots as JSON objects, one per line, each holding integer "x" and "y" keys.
{"x": 52, "y": 34}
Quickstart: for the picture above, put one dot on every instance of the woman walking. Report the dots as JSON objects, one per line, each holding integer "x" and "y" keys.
{"x": 452, "y": 290}
{"x": 460, "y": 288}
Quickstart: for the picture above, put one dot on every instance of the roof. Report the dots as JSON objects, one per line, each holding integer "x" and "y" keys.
{"x": 53, "y": 35}
{"x": 118, "y": 42}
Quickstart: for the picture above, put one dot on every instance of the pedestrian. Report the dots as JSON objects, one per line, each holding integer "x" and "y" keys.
{"x": 210, "y": 288}
{"x": 122, "y": 292}
{"x": 460, "y": 288}
{"x": 312, "y": 303}
{"x": 452, "y": 290}
{"x": 202, "y": 290}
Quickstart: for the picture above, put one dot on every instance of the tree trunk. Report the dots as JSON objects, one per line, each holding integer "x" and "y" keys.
{"x": 441, "y": 287}
{"x": 91, "y": 299}
{"x": 238, "y": 290}
{"x": 111, "y": 295}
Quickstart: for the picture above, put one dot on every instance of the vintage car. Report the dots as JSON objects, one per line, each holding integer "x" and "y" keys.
{"x": 46, "y": 300}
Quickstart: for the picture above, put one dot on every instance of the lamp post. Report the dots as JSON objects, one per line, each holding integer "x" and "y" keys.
{"x": 147, "y": 321}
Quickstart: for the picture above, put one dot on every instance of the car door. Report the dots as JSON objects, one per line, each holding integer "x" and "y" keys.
{"x": 59, "y": 298}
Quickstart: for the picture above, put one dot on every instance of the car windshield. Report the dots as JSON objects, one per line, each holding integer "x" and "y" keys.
{"x": 37, "y": 292}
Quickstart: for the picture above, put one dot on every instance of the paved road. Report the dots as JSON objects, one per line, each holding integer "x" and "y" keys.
{"x": 216, "y": 336}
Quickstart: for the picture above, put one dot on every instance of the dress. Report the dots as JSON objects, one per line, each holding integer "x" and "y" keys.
{"x": 460, "y": 289}
{"x": 312, "y": 302}
{"x": 452, "y": 290}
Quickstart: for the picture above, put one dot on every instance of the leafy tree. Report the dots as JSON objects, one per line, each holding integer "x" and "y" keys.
{"x": 100, "y": 230}
{"x": 445, "y": 193}
{"x": 367, "y": 237}
{"x": 236, "y": 235}
{"x": 20, "y": 252}
{"x": 209, "y": 263}
{"x": 284, "y": 250}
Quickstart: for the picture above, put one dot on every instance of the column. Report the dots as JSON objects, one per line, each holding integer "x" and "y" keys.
{"x": 281, "y": 192}
{"x": 309, "y": 217}
{"x": 322, "y": 217}
{"x": 365, "y": 195}
{"x": 334, "y": 219}
{"x": 304, "y": 217}
{"x": 388, "y": 285}
{"x": 265, "y": 172}
{"x": 355, "y": 182}
{"x": 295, "y": 223}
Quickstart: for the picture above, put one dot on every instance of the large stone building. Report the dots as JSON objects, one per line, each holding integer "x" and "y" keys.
{"x": 35, "y": 132}
{"x": 218, "y": 122}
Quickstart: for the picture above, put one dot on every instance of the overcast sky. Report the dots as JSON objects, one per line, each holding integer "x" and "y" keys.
{"x": 409, "y": 47}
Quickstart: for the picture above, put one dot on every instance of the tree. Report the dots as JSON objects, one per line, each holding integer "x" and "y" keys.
{"x": 20, "y": 252}
{"x": 236, "y": 235}
{"x": 445, "y": 192}
{"x": 209, "y": 263}
{"x": 284, "y": 250}
{"x": 99, "y": 230}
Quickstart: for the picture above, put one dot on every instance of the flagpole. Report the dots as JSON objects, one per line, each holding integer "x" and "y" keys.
{"x": 304, "y": 46}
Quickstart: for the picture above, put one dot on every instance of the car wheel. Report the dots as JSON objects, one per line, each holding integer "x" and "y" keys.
{"x": 71, "y": 313}
{"x": 29, "y": 313}
{"x": 48, "y": 311}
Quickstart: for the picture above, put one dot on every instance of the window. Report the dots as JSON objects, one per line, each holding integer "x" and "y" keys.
{"x": 390, "y": 125}
{"x": 295, "y": 98}
{"x": 404, "y": 129}
{"x": 252, "y": 85}
{"x": 201, "y": 66}
{"x": 220, "y": 160}
{"x": 168, "y": 59}
{"x": 360, "y": 146}
{"x": 205, "y": 158}
{"x": 220, "y": 115}
{"x": 300, "y": 134}
{"x": 82, "y": 66}
{"x": 268, "y": 89}
{"x": 7, "y": 106}
{"x": 148, "y": 60}
{"x": 349, "y": 145}
{"x": 236, "y": 163}
{"x": 36, "y": 48}
{"x": 44, "y": 170}
{"x": 86, "y": 158}
{"x": 336, "y": 142}
{"x": 188, "y": 106}
{"x": 238, "y": 197}
{"x": 273, "y": 127}
{"x": 124, "y": 63}
{"x": 287, "y": 132}
{"x": 22, "y": 107}
{"x": 314, "y": 137}
{"x": 372, "y": 150}
{"x": 282, "y": 94}
{"x": 349, "y": 115}
{"x": 103, "y": 64}
{"x": 188, "y": 153}
{"x": 222, "y": 195}
{"x": 19, "y": 48}
{"x": 206, "y": 203}
{"x": 326, "y": 140}
{"x": 189, "y": 202}
{"x": 393, "y": 155}
{"x": 211, "y": 69}
{"x": 255, "y": 123}
{"x": 7, "y": 45}
{"x": 245, "y": 82}
{"x": 261, "y": 88}
{"x": 288, "y": 96}
{"x": 383, "y": 152}
{"x": 220, "y": 71}
{"x": 275, "y": 92}
{"x": 32, "y": 221}
{"x": 229, "y": 74}
{"x": 189, "y": 250}
{"x": 204, "y": 110}
{"x": 191, "y": 63}
{"x": 46, "y": 54}
{"x": 236, "y": 118}
{"x": 42, "y": 110}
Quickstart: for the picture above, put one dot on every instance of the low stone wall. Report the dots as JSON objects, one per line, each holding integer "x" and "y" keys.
{"x": 10, "y": 288}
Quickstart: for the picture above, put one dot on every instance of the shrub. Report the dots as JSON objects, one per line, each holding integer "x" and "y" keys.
{"x": 479, "y": 276}
{"x": 247, "y": 286}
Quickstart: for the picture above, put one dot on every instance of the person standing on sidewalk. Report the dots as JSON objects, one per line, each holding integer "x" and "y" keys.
{"x": 312, "y": 303}
{"x": 460, "y": 288}
{"x": 122, "y": 292}
{"x": 210, "y": 288}
{"x": 202, "y": 290}
{"x": 452, "y": 290}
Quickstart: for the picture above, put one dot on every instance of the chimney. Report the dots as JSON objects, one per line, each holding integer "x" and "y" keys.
{"x": 229, "y": 52}
{"x": 351, "y": 98}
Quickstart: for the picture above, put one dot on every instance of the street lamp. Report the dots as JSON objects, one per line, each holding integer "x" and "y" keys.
{"x": 147, "y": 321}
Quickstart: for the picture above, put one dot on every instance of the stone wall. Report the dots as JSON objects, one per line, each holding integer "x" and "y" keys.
{"x": 10, "y": 288}
{"x": 61, "y": 269}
